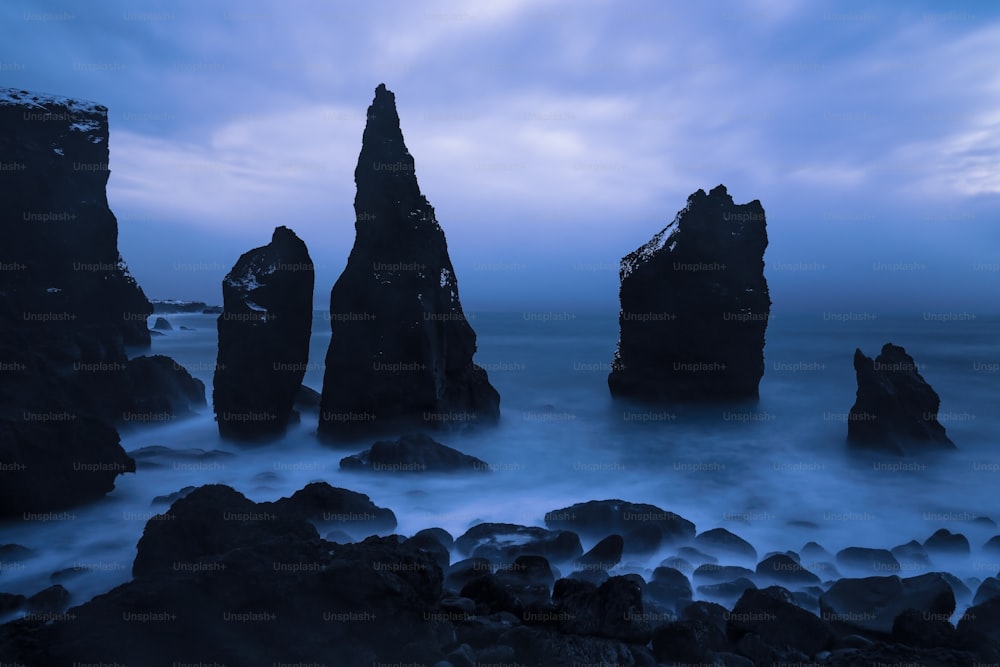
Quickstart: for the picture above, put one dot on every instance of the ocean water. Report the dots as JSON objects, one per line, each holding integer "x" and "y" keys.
{"x": 776, "y": 472}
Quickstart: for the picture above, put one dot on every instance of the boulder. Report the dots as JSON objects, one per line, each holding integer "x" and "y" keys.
{"x": 264, "y": 334}
{"x": 597, "y": 519}
{"x": 720, "y": 541}
{"x": 695, "y": 305}
{"x": 864, "y": 559}
{"x": 873, "y": 603}
{"x": 401, "y": 348}
{"x": 503, "y": 542}
{"x": 162, "y": 324}
{"x": 895, "y": 410}
{"x": 412, "y": 453}
{"x": 772, "y": 615}
{"x": 784, "y": 571}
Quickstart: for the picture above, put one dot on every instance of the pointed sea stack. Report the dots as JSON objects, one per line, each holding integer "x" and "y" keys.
{"x": 895, "y": 410}
{"x": 264, "y": 334}
{"x": 695, "y": 305}
{"x": 68, "y": 309}
{"x": 401, "y": 348}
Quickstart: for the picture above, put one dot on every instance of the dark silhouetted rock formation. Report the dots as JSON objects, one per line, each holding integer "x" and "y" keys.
{"x": 264, "y": 334}
{"x": 401, "y": 349}
{"x": 412, "y": 453}
{"x": 895, "y": 410}
{"x": 68, "y": 309}
{"x": 694, "y": 306}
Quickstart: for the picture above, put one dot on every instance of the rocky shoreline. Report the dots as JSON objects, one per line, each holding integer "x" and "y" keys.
{"x": 220, "y": 579}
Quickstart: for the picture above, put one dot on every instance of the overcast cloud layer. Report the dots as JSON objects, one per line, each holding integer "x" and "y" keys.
{"x": 551, "y": 137}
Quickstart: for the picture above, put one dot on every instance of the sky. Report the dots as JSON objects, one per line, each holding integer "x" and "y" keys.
{"x": 552, "y": 137}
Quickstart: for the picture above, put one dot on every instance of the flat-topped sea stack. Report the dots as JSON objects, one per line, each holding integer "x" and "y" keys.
{"x": 695, "y": 305}
{"x": 68, "y": 309}
{"x": 895, "y": 411}
{"x": 401, "y": 349}
{"x": 264, "y": 334}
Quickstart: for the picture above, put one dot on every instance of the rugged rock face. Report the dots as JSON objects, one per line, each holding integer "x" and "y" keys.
{"x": 68, "y": 309}
{"x": 695, "y": 305}
{"x": 895, "y": 410}
{"x": 401, "y": 348}
{"x": 264, "y": 334}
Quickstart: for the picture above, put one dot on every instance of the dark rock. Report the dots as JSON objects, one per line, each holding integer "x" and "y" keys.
{"x": 350, "y": 511}
{"x": 596, "y": 519}
{"x": 412, "y": 453}
{"x": 943, "y": 541}
{"x": 162, "y": 324}
{"x": 52, "y": 600}
{"x": 678, "y": 563}
{"x": 912, "y": 556}
{"x": 529, "y": 579}
{"x": 989, "y": 589}
{"x": 491, "y": 596}
{"x": 643, "y": 540}
{"x": 184, "y": 328}
{"x": 916, "y": 628}
{"x": 727, "y": 591}
{"x": 175, "y": 306}
{"x": 872, "y": 603}
{"x": 68, "y": 308}
{"x": 721, "y": 541}
{"x": 982, "y": 622}
{"x": 604, "y": 555}
{"x": 721, "y": 573}
{"x": 692, "y": 642}
{"x": 695, "y": 305}
{"x": 171, "y": 497}
{"x": 783, "y": 570}
{"x": 157, "y": 389}
{"x": 464, "y": 571}
{"x": 212, "y": 310}
{"x": 670, "y": 588}
{"x": 709, "y": 612}
{"x": 264, "y": 334}
{"x": 536, "y": 647}
{"x": 306, "y": 399}
{"x": 429, "y": 544}
{"x": 771, "y": 614}
{"x": 442, "y": 536}
{"x": 992, "y": 545}
{"x": 10, "y": 602}
{"x": 876, "y": 561}
{"x": 895, "y": 410}
{"x": 13, "y": 553}
{"x": 401, "y": 348}
{"x": 812, "y": 551}
{"x": 613, "y": 610}
{"x": 503, "y": 542}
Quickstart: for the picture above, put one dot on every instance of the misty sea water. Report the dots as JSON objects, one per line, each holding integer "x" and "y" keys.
{"x": 776, "y": 471}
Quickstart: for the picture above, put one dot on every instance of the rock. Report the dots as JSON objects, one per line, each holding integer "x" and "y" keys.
{"x": 464, "y": 571}
{"x": 912, "y": 556}
{"x": 440, "y": 535}
{"x": 696, "y": 556}
{"x": 306, "y": 399}
{"x": 721, "y": 541}
{"x": 401, "y": 349}
{"x": 503, "y": 542}
{"x": 772, "y": 615}
{"x": 873, "y": 603}
{"x": 992, "y": 545}
{"x": 52, "y": 600}
{"x": 982, "y": 621}
{"x": 895, "y": 410}
{"x": 784, "y": 571}
{"x": 916, "y": 628}
{"x": 670, "y": 588}
{"x": 876, "y": 561}
{"x": 727, "y": 591}
{"x": 695, "y": 305}
{"x": 944, "y": 542}
{"x": 989, "y": 589}
{"x": 264, "y": 334}
{"x": 691, "y": 642}
{"x": 159, "y": 389}
{"x": 212, "y": 310}
{"x": 13, "y": 553}
{"x": 9, "y": 603}
{"x": 350, "y": 511}
{"x": 412, "y": 453}
{"x": 596, "y": 519}
{"x": 604, "y": 555}
{"x": 162, "y": 324}
{"x": 529, "y": 579}
{"x": 535, "y": 646}
{"x": 721, "y": 573}
{"x": 613, "y": 610}
{"x": 68, "y": 308}
{"x": 812, "y": 551}
{"x": 171, "y": 497}
{"x": 678, "y": 563}
{"x": 176, "y": 306}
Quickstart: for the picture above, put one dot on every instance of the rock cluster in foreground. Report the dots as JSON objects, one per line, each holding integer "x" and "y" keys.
{"x": 68, "y": 311}
{"x": 264, "y": 332}
{"x": 400, "y": 355}
{"x": 695, "y": 305}
{"x": 220, "y": 578}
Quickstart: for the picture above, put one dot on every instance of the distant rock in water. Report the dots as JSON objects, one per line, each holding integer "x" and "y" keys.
{"x": 68, "y": 309}
{"x": 175, "y": 306}
{"x": 162, "y": 324}
{"x": 695, "y": 305}
{"x": 412, "y": 453}
{"x": 264, "y": 334}
{"x": 401, "y": 348}
{"x": 895, "y": 410}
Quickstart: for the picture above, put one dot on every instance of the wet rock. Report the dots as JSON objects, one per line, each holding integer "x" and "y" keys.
{"x": 413, "y": 453}
{"x": 772, "y": 614}
{"x": 876, "y": 561}
{"x": 604, "y": 555}
{"x": 783, "y": 570}
{"x": 945, "y": 542}
{"x": 872, "y": 603}
{"x": 895, "y": 410}
{"x": 597, "y": 519}
{"x": 720, "y": 541}
{"x": 401, "y": 348}
{"x": 503, "y": 542}
{"x": 695, "y": 305}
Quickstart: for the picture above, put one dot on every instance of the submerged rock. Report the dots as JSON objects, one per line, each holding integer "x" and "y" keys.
{"x": 401, "y": 349}
{"x": 695, "y": 305}
{"x": 895, "y": 410}
{"x": 264, "y": 334}
{"x": 412, "y": 453}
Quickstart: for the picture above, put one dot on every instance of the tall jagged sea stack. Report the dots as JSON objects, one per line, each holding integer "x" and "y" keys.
{"x": 401, "y": 349}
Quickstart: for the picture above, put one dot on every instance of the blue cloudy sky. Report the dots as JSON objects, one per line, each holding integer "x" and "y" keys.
{"x": 551, "y": 136}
